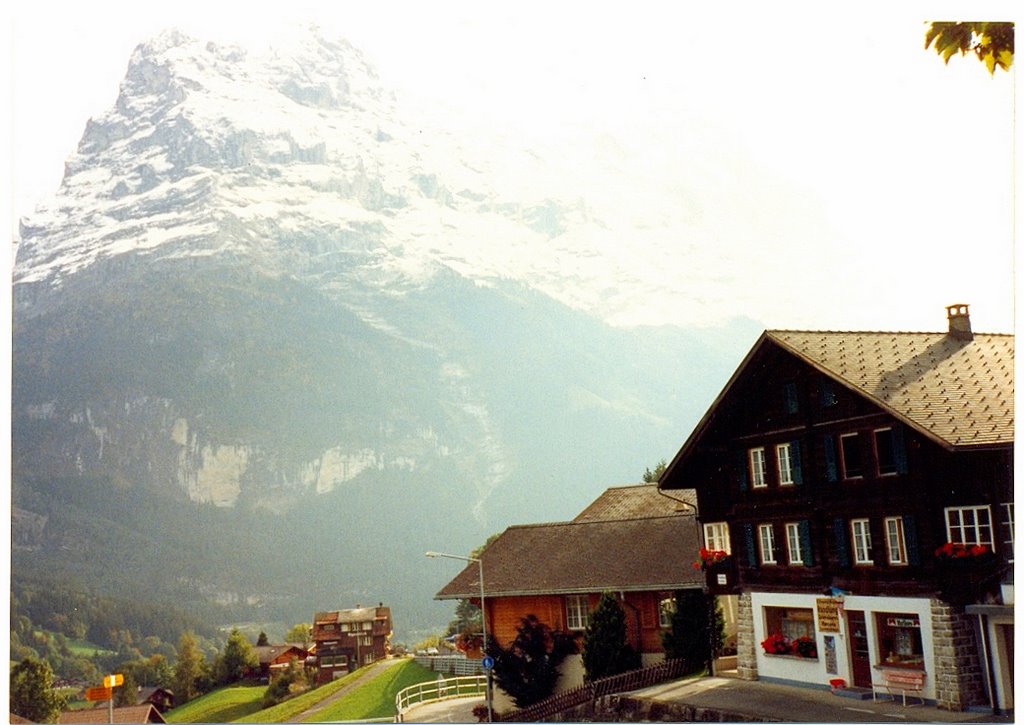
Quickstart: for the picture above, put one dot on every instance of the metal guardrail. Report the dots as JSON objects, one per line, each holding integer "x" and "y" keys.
{"x": 443, "y": 688}
{"x": 450, "y": 664}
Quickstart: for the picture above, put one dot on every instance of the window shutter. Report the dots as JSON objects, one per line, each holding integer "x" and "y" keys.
{"x": 910, "y": 539}
{"x": 899, "y": 449}
{"x": 748, "y": 536}
{"x": 805, "y": 542}
{"x": 741, "y": 470}
{"x": 789, "y": 394}
{"x": 794, "y": 461}
{"x": 831, "y": 467}
{"x": 842, "y": 545}
{"x": 828, "y": 394}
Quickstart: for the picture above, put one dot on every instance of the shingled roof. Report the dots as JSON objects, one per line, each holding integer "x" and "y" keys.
{"x": 639, "y": 501}
{"x": 639, "y": 554}
{"x": 957, "y": 392}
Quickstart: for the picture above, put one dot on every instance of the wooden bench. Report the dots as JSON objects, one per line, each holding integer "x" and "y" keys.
{"x": 901, "y": 681}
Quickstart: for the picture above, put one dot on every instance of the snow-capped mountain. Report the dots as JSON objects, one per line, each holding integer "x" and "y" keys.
{"x": 260, "y": 287}
{"x": 296, "y": 159}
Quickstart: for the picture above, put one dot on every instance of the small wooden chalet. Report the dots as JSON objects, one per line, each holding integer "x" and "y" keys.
{"x": 276, "y": 658}
{"x": 629, "y": 541}
{"x": 857, "y": 488}
{"x": 160, "y": 697}
{"x": 347, "y": 639}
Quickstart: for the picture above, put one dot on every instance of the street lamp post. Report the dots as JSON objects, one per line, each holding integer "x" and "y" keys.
{"x": 483, "y": 614}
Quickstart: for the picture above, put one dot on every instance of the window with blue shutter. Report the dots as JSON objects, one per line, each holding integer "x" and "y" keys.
{"x": 841, "y": 542}
{"x": 790, "y": 398}
{"x": 740, "y": 464}
{"x": 899, "y": 449}
{"x": 828, "y": 394}
{"x": 806, "y": 551}
{"x": 795, "y": 463}
{"x": 831, "y": 464}
{"x": 751, "y": 545}
{"x": 910, "y": 537}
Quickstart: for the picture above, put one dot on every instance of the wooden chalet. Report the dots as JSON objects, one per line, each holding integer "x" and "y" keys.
{"x": 347, "y": 639}
{"x": 858, "y": 486}
{"x": 160, "y": 697}
{"x": 628, "y": 541}
{"x": 276, "y": 658}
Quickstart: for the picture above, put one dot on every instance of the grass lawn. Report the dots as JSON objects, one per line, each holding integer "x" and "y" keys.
{"x": 223, "y": 705}
{"x": 85, "y": 648}
{"x": 287, "y": 710}
{"x": 376, "y": 698}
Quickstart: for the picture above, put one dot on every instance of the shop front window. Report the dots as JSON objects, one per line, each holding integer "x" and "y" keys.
{"x": 899, "y": 640}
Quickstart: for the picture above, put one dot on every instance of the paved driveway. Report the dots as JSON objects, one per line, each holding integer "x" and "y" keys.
{"x": 459, "y": 709}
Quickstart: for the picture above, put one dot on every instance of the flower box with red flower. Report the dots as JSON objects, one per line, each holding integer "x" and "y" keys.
{"x": 775, "y": 644}
{"x": 966, "y": 572}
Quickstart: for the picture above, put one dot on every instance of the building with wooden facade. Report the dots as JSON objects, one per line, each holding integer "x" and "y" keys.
{"x": 628, "y": 541}
{"x": 347, "y": 639}
{"x": 860, "y": 488}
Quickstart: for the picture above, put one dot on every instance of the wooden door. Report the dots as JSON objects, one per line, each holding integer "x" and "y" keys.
{"x": 860, "y": 655}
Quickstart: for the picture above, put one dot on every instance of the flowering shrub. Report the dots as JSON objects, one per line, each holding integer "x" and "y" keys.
{"x": 949, "y": 550}
{"x": 707, "y": 557}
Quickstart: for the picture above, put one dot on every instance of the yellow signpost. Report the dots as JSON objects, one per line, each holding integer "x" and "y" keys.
{"x": 106, "y": 692}
{"x": 98, "y": 694}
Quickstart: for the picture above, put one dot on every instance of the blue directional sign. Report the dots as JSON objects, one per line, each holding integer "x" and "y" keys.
{"x": 488, "y": 662}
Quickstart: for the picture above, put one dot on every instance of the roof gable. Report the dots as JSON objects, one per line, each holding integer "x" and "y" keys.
{"x": 957, "y": 392}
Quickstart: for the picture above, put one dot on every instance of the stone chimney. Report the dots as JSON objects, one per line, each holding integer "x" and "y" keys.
{"x": 959, "y": 317}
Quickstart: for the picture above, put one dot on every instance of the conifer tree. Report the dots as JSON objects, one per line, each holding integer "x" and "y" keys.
{"x": 528, "y": 670}
{"x": 605, "y": 650}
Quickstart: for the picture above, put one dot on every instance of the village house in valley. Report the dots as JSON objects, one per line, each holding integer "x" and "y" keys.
{"x": 347, "y": 639}
{"x": 629, "y": 541}
{"x": 859, "y": 486}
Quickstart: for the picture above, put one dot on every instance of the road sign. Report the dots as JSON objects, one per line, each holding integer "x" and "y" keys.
{"x": 488, "y": 663}
{"x": 113, "y": 680}
{"x": 98, "y": 694}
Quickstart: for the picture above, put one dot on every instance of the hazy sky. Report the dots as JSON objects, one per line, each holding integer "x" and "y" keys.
{"x": 904, "y": 164}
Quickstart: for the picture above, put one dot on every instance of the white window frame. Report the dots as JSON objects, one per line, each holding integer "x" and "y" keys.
{"x": 577, "y": 611}
{"x": 895, "y": 541}
{"x": 794, "y": 552}
{"x": 784, "y": 463}
{"x": 970, "y": 532}
{"x": 766, "y": 543}
{"x": 1007, "y": 524}
{"x": 861, "y": 537}
{"x": 756, "y": 458}
{"x": 716, "y": 537}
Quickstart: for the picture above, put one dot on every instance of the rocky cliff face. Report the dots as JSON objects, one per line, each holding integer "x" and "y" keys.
{"x": 258, "y": 288}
